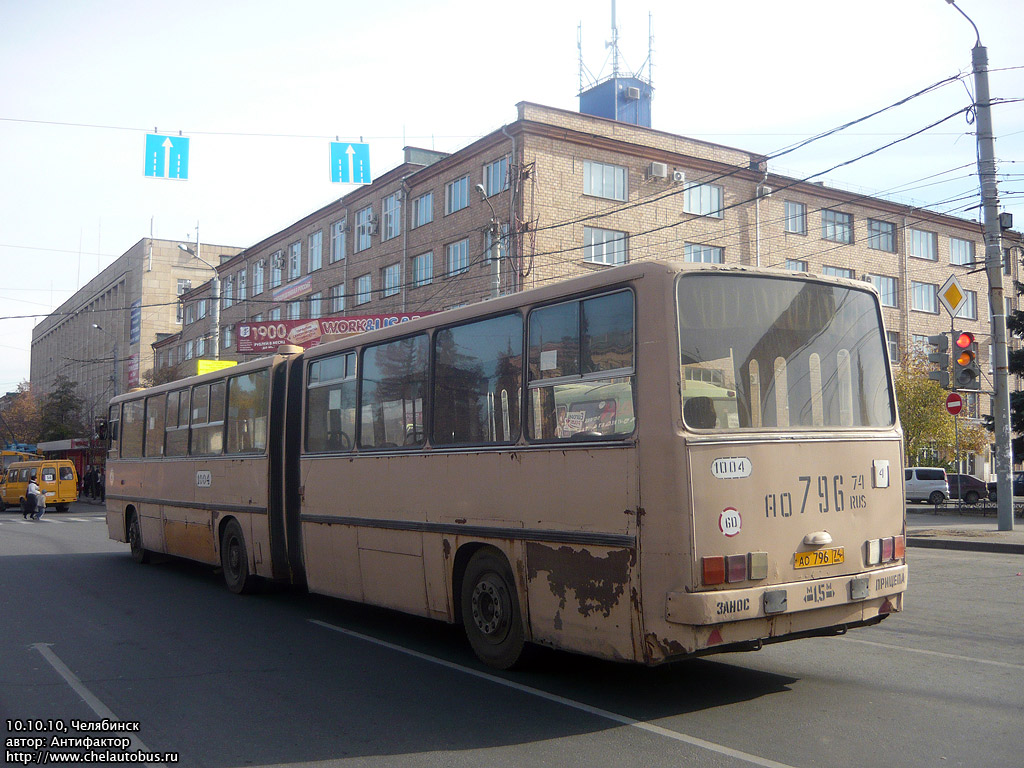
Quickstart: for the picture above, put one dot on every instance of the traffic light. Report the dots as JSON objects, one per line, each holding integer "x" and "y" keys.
{"x": 941, "y": 356}
{"x": 966, "y": 372}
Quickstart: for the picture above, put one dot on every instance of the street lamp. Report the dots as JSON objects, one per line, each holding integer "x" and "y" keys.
{"x": 993, "y": 268}
{"x": 214, "y": 292}
{"x": 495, "y": 242}
{"x": 116, "y": 377}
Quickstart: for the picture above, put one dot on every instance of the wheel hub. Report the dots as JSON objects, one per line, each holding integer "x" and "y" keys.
{"x": 487, "y": 609}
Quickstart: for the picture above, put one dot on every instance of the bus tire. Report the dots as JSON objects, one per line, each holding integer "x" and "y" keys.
{"x": 490, "y": 610}
{"x": 139, "y": 553}
{"x": 234, "y": 560}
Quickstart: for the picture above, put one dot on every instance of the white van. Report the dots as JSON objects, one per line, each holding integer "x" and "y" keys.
{"x": 926, "y": 484}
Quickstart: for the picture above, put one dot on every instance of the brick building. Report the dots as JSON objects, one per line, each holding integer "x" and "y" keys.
{"x": 560, "y": 193}
{"x": 102, "y": 337}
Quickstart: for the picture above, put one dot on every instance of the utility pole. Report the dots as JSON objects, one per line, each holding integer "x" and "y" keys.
{"x": 994, "y": 270}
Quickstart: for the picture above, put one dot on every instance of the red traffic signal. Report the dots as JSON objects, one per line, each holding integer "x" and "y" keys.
{"x": 966, "y": 372}
{"x": 964, "y": 340}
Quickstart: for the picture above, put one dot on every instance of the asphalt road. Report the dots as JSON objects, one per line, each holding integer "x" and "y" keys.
{"x": 285, "y": 678}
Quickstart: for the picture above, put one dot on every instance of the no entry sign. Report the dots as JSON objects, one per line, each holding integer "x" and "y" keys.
{"x": 954, "y": 403}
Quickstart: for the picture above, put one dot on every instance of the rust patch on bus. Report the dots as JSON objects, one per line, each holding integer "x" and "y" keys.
{"x": 660, "y": 648}
{"x": 596, "y": 582}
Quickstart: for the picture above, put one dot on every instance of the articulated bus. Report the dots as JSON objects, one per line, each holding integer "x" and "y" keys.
{"x": 651, "y": 462}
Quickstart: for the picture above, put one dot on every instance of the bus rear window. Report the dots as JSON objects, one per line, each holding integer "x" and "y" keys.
{"x": 761, "y": 352}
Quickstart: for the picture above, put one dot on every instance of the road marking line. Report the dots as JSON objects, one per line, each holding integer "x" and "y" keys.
{"x": 598, "y": 712}
{"x": 97, "y": 706}
{"x": 940, "y": 654}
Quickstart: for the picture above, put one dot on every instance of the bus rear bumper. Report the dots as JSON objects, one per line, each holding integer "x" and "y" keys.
{"x": 730, "y": 605}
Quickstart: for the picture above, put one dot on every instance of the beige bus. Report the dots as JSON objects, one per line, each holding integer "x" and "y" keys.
{"x": 651, "y": 462}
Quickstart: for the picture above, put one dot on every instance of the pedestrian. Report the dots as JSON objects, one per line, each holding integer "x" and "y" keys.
{"x": 32, "y": 493}
{"x": 40, "y": 505}
{"x": 89, "y": 482}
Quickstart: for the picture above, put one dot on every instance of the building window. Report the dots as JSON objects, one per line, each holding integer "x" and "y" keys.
{"x": 337, "y": 294}
{"x": 316, "y": 251}
{"x": 961, "y": 251}
{"x": 703, "y": 200}
{"x": 886, "y": 287}
{"x": 257, "y": 277}
{"x": 882, "y": 235}
{"x": 295, "y": 261}
{"x": 391, "y": 211}
{"x": 703, "y": 254}
{"x": 338, "y": 240}
{"x": 190, "y": 314}
{"x": 603, "y": 180}
{"x": 796, "y": 218}
{"x": 364, "y": 229}
{"x": 294, "y": 310}
{"x": 604, "y": 246}
{"x": 227, "y": 335}
{"x": 892, "y": 340}
{"x": 924, "y": 297}
{"x": 423, "y": 269}
{"x": 276, "y": 269}
{"x": 275, "y": 314}
{"x": 201, "y": 309}
{"x": 458, "y": 257}
{"x": 241, "y": 280}
{"x": 316, "y": 301}
{"x": 837, "y": 226}
{"x": 184, "y": 286}
{"x": 363, "y": 289}
{"x": 423, "y": 210}
{"x": 796, "y": 265}
{"x": 496, "y": 176}
{"x": 839, "y": 272}
{"x": 228, "y": 294}
{"x": 456, "y": 195}
{"x": 189, "y": 349}
{"x": 969, "y": 310}
{"x": 200, "y": 346}
{"x": 923, "y": 245}
{"x": 391, "y": 278}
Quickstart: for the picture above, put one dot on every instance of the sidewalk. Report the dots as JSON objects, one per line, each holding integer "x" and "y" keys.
{"x": 972, "y": 530}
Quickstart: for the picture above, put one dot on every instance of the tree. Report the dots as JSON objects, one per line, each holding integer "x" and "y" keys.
{"x": 926, "y": 422}
{"x": 62, "y": 412}
{"x": 21, "y": 416}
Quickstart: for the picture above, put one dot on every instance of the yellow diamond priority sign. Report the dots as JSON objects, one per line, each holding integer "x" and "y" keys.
{"x": 952, "y": 295}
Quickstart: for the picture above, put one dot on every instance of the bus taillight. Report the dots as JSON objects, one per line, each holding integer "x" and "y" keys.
{"x": 719, "y": 569}
{"x": 878, "y": 551}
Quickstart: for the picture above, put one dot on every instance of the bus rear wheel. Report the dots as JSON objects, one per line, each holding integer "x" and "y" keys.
{"x": 234, "y": 560}
{"x": 139, "y": 553}
{"x": 490, "y": 610}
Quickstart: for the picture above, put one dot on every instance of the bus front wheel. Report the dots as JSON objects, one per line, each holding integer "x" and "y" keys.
{"x": 139, "y": 553}
{"x": 490, "y": 610}
{"x": 234, "y": 560}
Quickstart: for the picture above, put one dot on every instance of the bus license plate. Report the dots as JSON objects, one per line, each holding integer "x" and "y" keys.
{"x": 833, "y": 556}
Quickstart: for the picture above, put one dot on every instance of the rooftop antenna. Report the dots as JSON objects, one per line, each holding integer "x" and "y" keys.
{"x": 614, "y": 44}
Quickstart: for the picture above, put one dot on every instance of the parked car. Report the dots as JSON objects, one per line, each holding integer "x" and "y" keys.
{"x": 967, "y": 487}
{"x": 1018, "y": 486}
{"x": 926, "y": 484}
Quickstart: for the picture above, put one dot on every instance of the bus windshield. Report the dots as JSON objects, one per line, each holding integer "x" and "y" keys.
{"x": 761, "y": 352}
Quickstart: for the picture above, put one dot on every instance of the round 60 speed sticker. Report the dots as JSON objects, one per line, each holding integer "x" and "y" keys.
{"x": 730, "y": 522}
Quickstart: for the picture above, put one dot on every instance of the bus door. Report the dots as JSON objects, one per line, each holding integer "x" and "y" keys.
{"x": 67, "y": 484}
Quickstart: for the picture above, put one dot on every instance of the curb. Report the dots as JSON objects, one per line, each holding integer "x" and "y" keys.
{"x": 1000, "y": 547}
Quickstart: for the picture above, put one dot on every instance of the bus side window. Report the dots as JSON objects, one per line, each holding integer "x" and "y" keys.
{"x": 581, "y": 363}
{"x": 331, "y": 403}
{"x": 66, "y": 473}
{"x": 49, "y": 474}
{"x": 114, "y": 431}
{"x": 248, "y": 406}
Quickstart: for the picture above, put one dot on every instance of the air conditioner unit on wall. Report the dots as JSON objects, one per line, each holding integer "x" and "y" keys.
{"x": 658, "y": 171}
{"x": 632, "y": 93}
{"x": 678, "y": 177}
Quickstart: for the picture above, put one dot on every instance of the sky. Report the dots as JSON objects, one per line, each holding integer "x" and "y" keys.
{"x": 261, "y": 88}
